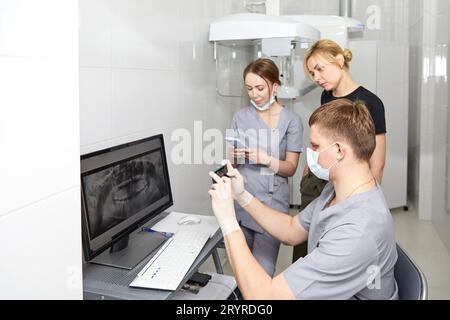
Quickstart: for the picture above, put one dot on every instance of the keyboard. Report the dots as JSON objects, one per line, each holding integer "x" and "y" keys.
{"x": 169, "y": 265}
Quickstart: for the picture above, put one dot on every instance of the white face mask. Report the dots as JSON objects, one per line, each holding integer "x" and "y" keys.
{"x": 312, "y": 158}
{"x": 264, "y": 106}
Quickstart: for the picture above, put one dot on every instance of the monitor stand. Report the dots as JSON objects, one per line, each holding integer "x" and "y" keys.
{"x": 130, "y": 250}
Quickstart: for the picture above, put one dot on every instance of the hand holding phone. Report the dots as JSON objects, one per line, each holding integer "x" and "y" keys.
{"x": 222, "y": 171}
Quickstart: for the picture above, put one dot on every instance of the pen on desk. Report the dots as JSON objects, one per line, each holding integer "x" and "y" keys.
{"x": 148, "y": 229}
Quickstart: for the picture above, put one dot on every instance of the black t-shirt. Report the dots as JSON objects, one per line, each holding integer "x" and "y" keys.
{"x": 373, "y": 103}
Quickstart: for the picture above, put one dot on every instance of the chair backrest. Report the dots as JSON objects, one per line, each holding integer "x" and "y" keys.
{"x": 411, "y": 281}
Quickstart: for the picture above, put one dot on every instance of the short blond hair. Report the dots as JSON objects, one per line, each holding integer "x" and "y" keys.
{"x": 327, "y": 50}
{"x": 348, "y": 120}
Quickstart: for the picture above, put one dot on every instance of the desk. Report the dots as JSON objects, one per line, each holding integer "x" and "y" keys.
{"x": 103, "y": 282}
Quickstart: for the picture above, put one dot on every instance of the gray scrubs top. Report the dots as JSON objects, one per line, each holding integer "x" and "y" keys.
{"x": 351, "y": 249}
{"x": 269, "y": 188}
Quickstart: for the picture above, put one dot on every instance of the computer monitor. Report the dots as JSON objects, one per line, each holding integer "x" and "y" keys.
{"x": 122, "y": 188}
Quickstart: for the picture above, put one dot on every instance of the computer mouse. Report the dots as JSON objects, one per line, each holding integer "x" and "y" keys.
{"x": 189, "y": 220}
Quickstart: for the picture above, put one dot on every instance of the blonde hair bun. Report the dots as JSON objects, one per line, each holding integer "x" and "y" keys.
{"x": 348, "y": 55}
{"x": 328, "y": 50}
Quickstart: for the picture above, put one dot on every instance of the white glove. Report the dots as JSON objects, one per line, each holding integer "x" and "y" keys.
{"x": 237, "y": 183}
{"x": 223, "y": 204}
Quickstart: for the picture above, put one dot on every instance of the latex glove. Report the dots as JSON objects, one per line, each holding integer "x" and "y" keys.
{"x": 223, "y": 204}
{"x": 237, "y": 185}
{"x": 258, "y": 156}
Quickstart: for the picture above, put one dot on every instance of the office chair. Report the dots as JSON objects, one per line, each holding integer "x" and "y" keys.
{"x": 411, "y": 282}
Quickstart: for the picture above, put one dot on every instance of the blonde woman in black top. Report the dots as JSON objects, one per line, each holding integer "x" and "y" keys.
{"x": 328, "y": 65}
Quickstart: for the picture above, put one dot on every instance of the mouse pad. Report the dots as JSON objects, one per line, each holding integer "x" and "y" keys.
{"x": 170, "y": 223}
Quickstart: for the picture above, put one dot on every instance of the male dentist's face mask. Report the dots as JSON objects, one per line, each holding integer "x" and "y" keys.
{"x": 312, "y": 158}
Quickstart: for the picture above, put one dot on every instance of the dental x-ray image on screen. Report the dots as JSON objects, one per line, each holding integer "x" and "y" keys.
{"x": 115, "y": 193}
{"x": 123, "y": 187}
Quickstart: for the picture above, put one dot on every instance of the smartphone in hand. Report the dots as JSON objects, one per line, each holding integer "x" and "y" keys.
{"x": 222, "y": 171}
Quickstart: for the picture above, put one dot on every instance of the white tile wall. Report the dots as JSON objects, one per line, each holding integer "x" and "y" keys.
{"x": 434, "y": 110}
{"x": 39, "y": 189}
{"x": 40, "y": 129}
{"x": 26, "y": 29}
{"x": 191, "y": 55}
{"x": 147, "y": 67}
{"x": 96, "y": 97}
{"x": 95, "y": 33}
{"x": 317, "y": 7}
{"x": 141, "y": 99}
{"x": 393, "y": 19}
{"x": 429, "y": 101}
{"x": 41, "y": 252}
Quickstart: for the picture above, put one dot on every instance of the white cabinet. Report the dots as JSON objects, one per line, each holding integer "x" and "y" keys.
{"x": 382, "y": 67}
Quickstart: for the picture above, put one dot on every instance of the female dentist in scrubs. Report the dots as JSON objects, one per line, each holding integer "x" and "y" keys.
{"x": 274, "y": 137}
